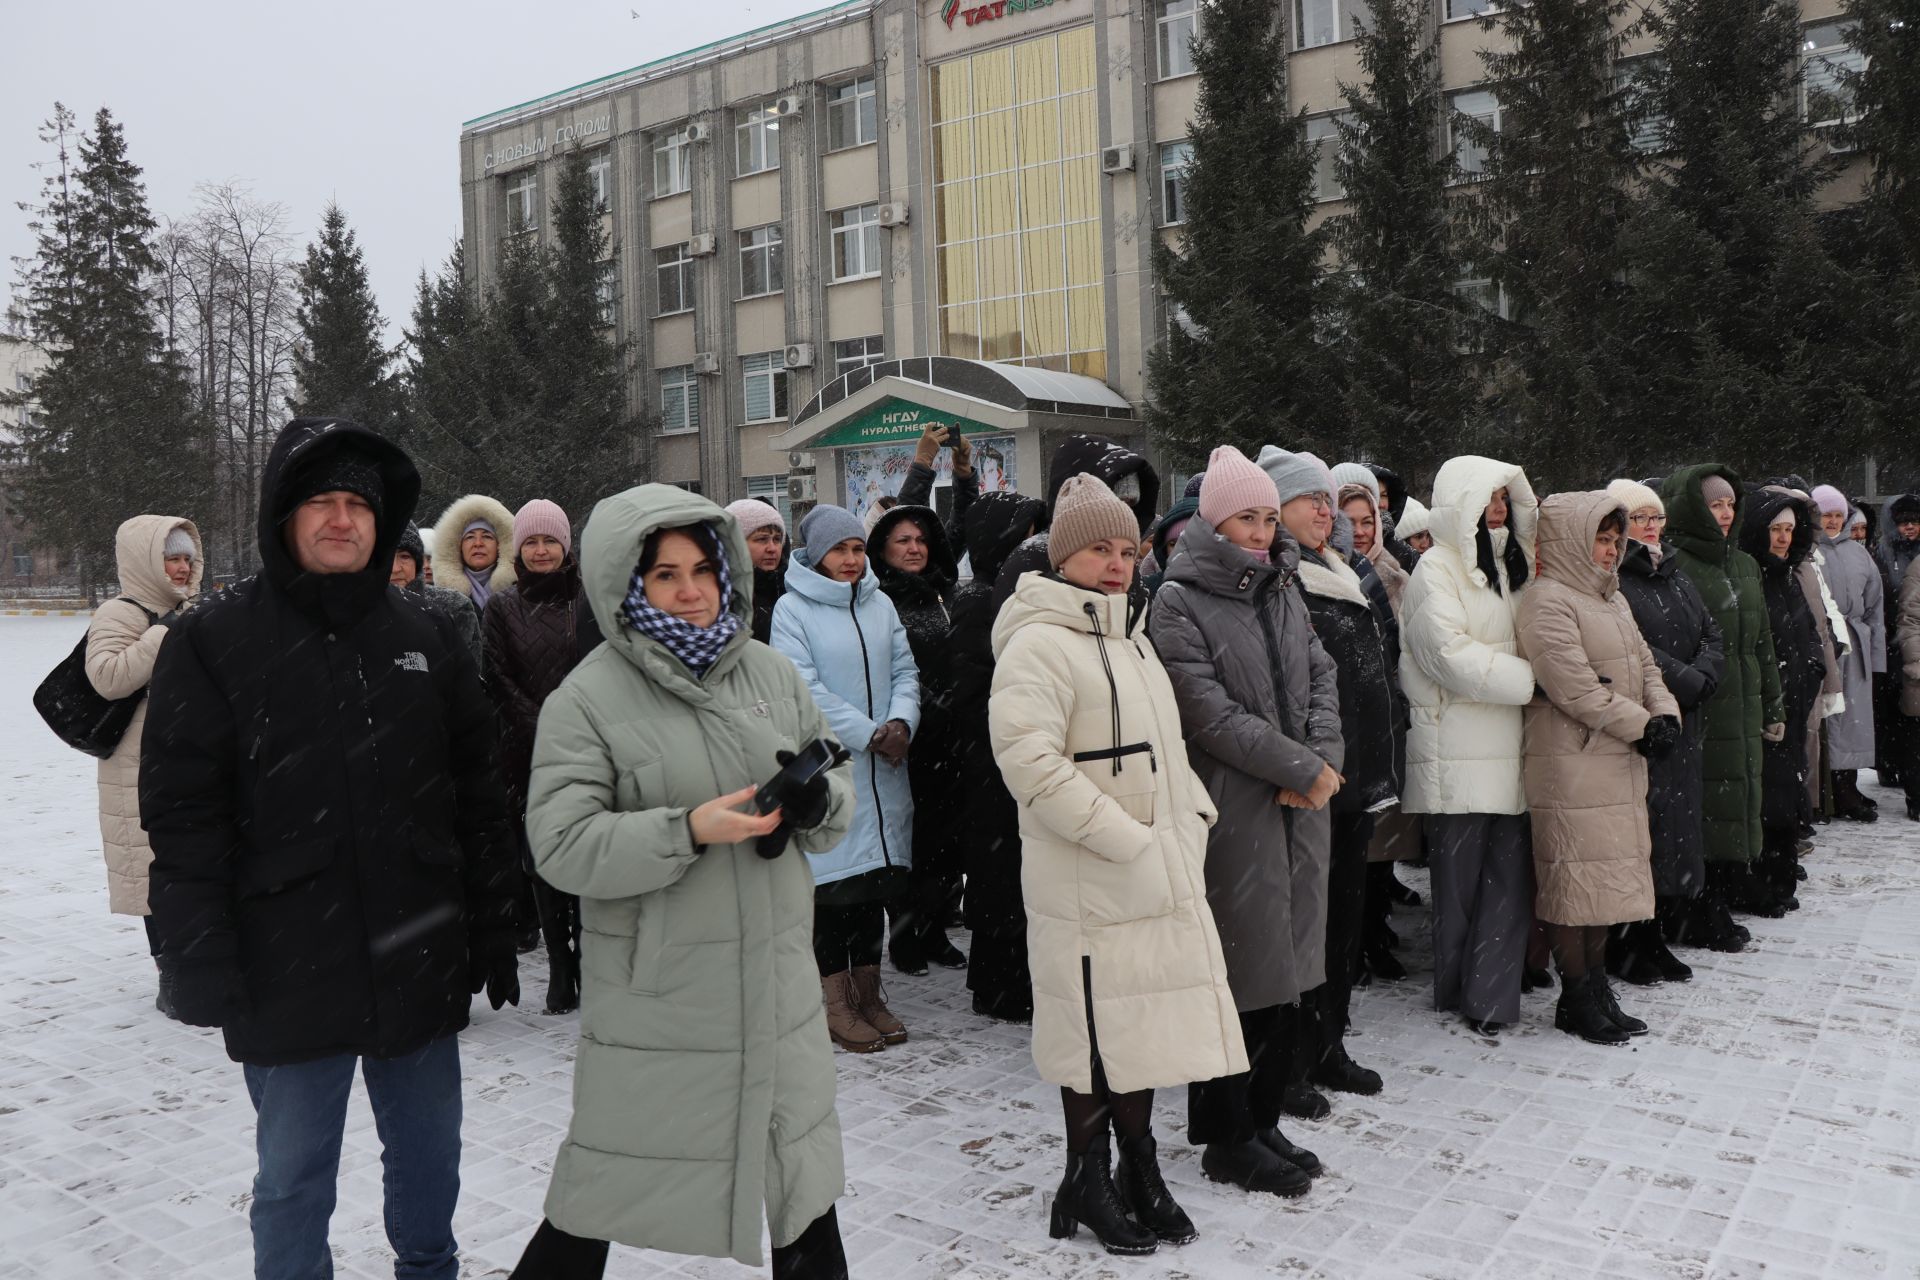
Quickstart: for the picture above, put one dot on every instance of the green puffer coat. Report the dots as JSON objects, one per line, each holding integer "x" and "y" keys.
{"x": 703, "y": 1087}
{"x": 1748, "y": 698}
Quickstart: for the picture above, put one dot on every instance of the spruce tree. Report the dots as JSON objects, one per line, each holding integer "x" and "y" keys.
{"x": 114, "y": 434}
{"x": 1407, "y": 392}
{"x": 1551, "y": 220}
{"x": 1245, "y": 364}
{"x": 340, "y": 366}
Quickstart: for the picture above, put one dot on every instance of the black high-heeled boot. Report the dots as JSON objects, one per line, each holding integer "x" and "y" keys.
{"x": 1145, "y": 1193}
{"x": 1088, "y": 1197}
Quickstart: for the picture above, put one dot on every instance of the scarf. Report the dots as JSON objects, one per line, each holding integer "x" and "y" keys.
{"x": 698, "y": 648}
{"x": 482, "y": 582}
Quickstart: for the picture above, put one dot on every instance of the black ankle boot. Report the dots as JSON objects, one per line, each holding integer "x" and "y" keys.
{"x": 818, "y": 1254}
{"x": 1145, "y": 1193}
{"x": 1609, "y": 1005}
{"x": 1579, "y": 1012}
{"x": 1294, "y": 1154}
{"x": 1254, "y": 1166}
{"x": 1630, "y": 956}
{"x": 1304, "y": 1102}
{"x": 552, "y": 1254}
{"x": 1087, "y": 1196}
{"x": 563, "y": 980}
{"x": 1672, "y": 968}
{"x": 1339, "y": 1072}
{"x": 1382, "y": 963}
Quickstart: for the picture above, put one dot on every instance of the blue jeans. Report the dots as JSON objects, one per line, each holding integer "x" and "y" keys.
{"x": 302, "y": 1112}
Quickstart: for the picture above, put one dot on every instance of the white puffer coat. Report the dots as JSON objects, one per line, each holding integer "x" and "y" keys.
{"x": 1113, "y": 831}
{"x": 1459, "y": 662}
{"x": 122, "y": 645}
{"x": 449, "y": 571}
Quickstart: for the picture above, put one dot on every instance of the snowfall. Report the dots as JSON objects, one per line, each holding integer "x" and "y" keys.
{"x": 1766, "y": 1127}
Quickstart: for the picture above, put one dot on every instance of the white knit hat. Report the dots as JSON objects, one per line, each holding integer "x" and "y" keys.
{"x": 1633, "y": 495}
{"x": 1415, "y": 518}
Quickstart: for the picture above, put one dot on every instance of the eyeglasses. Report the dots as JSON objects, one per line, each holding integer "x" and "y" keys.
{"x": 1647, "y": 522}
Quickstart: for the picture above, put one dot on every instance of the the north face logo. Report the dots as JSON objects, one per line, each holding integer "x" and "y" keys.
{"x": 411, "y": 662}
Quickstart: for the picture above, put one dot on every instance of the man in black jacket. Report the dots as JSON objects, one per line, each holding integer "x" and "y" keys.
{"x": 333, "y": 876}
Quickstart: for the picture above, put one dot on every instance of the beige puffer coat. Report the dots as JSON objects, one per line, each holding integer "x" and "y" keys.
{"x": 449, "y": 571}
{"x": 1586, "y": 784}
{"x": 1113, "y": 831}
{"x": 121, "y": 647}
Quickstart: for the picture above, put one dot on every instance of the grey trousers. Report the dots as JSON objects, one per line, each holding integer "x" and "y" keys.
{"x": 1482, "y": 866}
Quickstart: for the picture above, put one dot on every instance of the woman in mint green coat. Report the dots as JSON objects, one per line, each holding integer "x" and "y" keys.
{"x": 704, "y": 1082}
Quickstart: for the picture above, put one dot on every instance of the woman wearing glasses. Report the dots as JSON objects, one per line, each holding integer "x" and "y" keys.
{"x": 1687, "y": 646}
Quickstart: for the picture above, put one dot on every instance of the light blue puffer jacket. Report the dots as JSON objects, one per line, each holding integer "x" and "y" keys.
{"x": 848, "y": 643}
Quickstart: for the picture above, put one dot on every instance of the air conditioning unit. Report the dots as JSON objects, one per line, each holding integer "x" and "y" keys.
{"x": 699, "y": 131}
{"x": 1117, "y": 160}
{"x": 800, "y": 461}
{"x": 894, "y": 215}
{"x": 702, "y": 245}
{"x": 787, "y": 105}
{"x": 706, "y": 362}
{"x": 800, "y": 355}
{"x": 801, "y": 489}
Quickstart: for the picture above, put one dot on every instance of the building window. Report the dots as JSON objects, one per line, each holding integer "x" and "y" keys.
{"x": 856, "y": 242}
{"x": 523, "y": 202}
{"x": 772, "y": 490}
{"x": 762, "y": 261}
{"x": 852, "y": 115}
{"x": 1486, "y": 301}
{"x": 673, "y": 269}
{"x": 1174, "y": 159}
{"x": 857, "y": 353}
{"x": 672, "y": 163}
{"x": 1827, "y": 61}
{"x": 1178, "y": 22}
{"x": 756, "y": 141}
{"x": 23, "y": 564}
{"x": 1323, "y": 132}
{"x": 606, "y": 291}
{"x": 1481, "y": 111}
{"x": 679, "y": 400}
{"x": 763, "y": 386}
{"x": 23, "y": 383}
{"x": 600, "y": 170}
{"x": 1319, "y": 22}
{"x": 1468, "y": 8}
{"x": 1646, "y": 123}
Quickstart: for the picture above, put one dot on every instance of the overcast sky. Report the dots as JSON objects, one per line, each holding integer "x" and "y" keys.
{"x": 354, "y": 101}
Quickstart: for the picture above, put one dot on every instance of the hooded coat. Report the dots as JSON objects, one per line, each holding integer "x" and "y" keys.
{"x": 1894, "y": 552}
{"x": 1586, "y": 784}
{"x": 1748, "y": 696}
{"x": 1854, "y": 579}
{"x": 123, "y": 642}
{"x": 455, "y": 607}
{"x": 1798, "y": 654}
{"x": 320, "y": 788}
{"x": 847, "y": 641}
{"x": 449, "y": 570}
{"x": 532, "y": 643}
{"x": 1691, "y": 653}
{"x": 1184, "y": 509}
{"x": 1092, "y": 456}
{"x": 703, "y": 1083}
{"x": 1259, "y": 704}
{"x": 1113, "y": 832}
{"x": 1460, "y": 666}
{"x": 768, "y": 586}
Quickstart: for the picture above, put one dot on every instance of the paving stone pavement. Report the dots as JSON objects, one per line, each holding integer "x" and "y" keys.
{"x": 1766, "y": 1127}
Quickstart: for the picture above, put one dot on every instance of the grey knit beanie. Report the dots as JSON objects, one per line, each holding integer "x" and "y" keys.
{"x": 1296, "y": 474}
{"x": 826, "y": 527}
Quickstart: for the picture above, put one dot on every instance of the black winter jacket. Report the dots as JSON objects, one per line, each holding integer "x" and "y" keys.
{"x": 924, "y": 602}
{"x": 320, "y": 788}
{"x": 1692, "y": 657}
{"x": 768, "y": 586}
{"x": 1365, "y": 649}
{"x": 533, "y": 629}
{"x": 1095, "y": 456}
{"x": 1796, "y": 647}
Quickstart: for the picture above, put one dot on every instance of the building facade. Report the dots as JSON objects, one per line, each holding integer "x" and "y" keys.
{"x": 815, "y": 222}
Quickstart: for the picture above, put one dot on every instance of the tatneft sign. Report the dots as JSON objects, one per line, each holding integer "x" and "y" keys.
{"x": 972, "y": 15}
{"x": 585, "y": 127}
{"x": 894, "y": 420}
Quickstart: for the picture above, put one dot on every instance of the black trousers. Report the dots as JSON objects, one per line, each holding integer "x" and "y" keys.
{"x": 552, "y": 1254}
{"x": 846, "y": 937}
{"x": 1346, "y": 922}
{"x": 1235, "y": 1108}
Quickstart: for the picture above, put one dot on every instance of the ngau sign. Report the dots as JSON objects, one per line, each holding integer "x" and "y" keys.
{"x": 577, "y": 130}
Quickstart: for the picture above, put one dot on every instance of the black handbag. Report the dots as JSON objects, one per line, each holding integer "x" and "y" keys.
{"x": 74, "y": 709}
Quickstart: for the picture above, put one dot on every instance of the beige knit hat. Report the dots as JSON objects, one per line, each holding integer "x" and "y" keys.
{"x": 1085, "y": 512}
{"x": 1635, "y": 496}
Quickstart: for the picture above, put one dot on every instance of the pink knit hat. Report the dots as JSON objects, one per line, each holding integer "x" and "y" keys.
{"x": 1830, "y": 500}
{"x": 1234, "y": 484}
{"x": 542, "y": 516}
{"x": 755, "y": 515}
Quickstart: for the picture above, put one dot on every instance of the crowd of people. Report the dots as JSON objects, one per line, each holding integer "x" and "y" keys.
{"x": 1161, "y": 764}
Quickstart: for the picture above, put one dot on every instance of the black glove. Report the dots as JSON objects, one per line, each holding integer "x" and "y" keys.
{"x": 802, "y": 808}
{"x": 1657, "y": 742}
{"x": 494, "y": 966}
{"x": 207, "y": 994}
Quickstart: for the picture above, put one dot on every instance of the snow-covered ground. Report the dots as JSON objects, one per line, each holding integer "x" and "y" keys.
{"x": 1767, "y": 1126}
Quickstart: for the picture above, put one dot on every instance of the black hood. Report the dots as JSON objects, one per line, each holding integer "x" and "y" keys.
{"x": 339, "y": 598}
{"x": 1761, "y": 507}
{"x": 995, "y": 526}
{"x": 1393, "y": 490}
{"x": 1638, "y": 561}
{"x": 414, "y": 545}
{"x": 940, "y": 558}
{"x": 1084, "y": 455}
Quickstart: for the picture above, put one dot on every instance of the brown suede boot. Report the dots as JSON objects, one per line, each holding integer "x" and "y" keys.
{"x": 870, "y": 1002}
{"x": 849, "y": 1030}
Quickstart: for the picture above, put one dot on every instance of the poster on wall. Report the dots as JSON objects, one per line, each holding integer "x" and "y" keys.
{"x": 878, "y": 472}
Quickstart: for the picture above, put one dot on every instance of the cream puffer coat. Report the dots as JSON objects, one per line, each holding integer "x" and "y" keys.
{"x": 449, "y": 571}
{"x": 1586, "y": 784}
{"x": 1459, "y": 664}
{"x": 1113, "y": 830}
{"x": 122, "y": 645}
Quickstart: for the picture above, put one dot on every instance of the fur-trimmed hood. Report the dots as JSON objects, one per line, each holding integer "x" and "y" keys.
{"x": 448, "y": 569}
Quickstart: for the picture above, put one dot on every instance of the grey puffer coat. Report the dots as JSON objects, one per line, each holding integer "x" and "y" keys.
{"x": 1854, "y": 579}
{"x": 1260, "y": 708}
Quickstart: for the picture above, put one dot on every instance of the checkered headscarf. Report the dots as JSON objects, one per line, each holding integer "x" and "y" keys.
{"x": 698, "y": 647}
